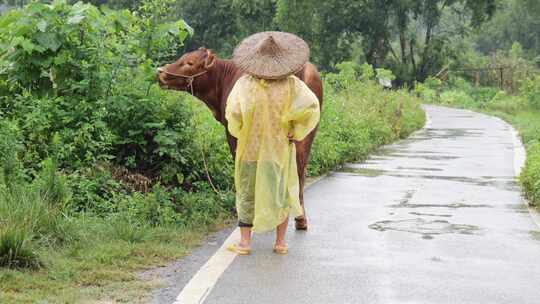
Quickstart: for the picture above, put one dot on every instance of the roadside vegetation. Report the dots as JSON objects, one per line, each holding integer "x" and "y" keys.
{"x": 103, "y": 174}
{"x": 518, "y": 102}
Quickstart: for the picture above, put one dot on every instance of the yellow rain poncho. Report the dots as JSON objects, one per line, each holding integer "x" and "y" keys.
{"x": 261, "y": 114}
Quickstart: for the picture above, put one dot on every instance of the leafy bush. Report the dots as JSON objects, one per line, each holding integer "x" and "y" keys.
{"x": 530, "y": 178}
{"x": 457, "y": 97}
{"x": 359, "y": 116}
{"x": 506, "y": 103}
{"x": 428, "y": 90}
{"x": 531, "y": 90}
{"x": 483, "y": 95}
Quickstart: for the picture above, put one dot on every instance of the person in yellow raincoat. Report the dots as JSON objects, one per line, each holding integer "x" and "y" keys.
{"x": 268, "y": 109}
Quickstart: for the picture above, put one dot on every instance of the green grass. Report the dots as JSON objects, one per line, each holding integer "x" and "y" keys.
{"x": 100, "y": 266}
{"x": 528, "y": 123}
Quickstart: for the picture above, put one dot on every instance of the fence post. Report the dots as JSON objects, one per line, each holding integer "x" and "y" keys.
{"x": 502, "y": 79}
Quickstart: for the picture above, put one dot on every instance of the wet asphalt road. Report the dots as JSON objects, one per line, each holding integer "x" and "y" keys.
{"x": 436, "y": 218}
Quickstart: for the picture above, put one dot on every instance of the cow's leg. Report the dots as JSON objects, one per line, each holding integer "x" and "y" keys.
{"x": 301, "y": 221}
{"x": 231, "y": 140}
{"x": 303, "y": 149}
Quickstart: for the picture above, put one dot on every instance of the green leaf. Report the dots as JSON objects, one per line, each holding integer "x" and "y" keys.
{"x": 180, "y": 29}
{"x": 180, "y": 177}
{"x": 79, "y": 8}
{"x": 183, "y": 35}
{"x": 42, "y": 25}
{"x": 174, "y": 30}
{"x": 36, "y": 7}
{"x": 62, "y": 58}
{"x": 8, "y": 19}
{"x": 26, "y": 44}
{"x": 75, "y": 19}
{"x": 48, "y": 41}
{"x": 184, "y": 26}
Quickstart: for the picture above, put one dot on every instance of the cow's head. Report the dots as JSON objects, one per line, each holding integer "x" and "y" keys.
{"x": 187, "y": 69}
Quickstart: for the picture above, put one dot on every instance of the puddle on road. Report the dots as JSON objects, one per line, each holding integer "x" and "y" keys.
{"x": 430, "y": 214}
{"x": 502, "y": 182}
{"x": 404, "y": 152}
{"x": 426, "y": 228}
{"x": 518, "y": 208}
{"x": 420, "y": 156}
{"x": 419, "y": 168}
{"x": 460, "y": 116}
{"x": 405, "y": 202}
{"x": 453, "y": 133}
{"x": 450, "y": 206}
{"x": 395, "y": 149}
{"x": 407, "y": 197}
{"x": 363, "y": 171}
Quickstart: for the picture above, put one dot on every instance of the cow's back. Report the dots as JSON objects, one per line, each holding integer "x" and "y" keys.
{"x": 311, "y": 76}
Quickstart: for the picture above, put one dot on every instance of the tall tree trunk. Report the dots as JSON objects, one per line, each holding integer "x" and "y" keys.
{"x": 411, "y": 53}
{"x": 426, "y": 53}
{"x": 403, "y": 44}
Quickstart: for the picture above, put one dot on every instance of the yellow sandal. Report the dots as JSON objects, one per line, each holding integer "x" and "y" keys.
{"x": 239, "y": 250}
{"x": 281, "y": 249}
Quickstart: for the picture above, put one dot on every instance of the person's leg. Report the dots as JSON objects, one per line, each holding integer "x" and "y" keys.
{"x": 280, "y": 233}
{"x": 245, "y": 203}
{"x": 244, "y": 246}
{"x": 245, "y": 236}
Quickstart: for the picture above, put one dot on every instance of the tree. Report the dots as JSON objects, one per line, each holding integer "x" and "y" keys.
{"x": 417, "y": 24}
{"x": 214, "y": 23}
{"x": 254, "y": 16}
{"x": 324, "y": 25}
{"x": 332, "y": 27}
{"x": 516, "y": 21}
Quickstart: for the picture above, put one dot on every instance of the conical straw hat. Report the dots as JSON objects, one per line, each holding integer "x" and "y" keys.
{"x": 271, "y": 55}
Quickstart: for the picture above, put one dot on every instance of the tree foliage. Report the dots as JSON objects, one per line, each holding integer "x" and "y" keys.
{"x": 516, "y": 21}
{"x": 414, "y": 38}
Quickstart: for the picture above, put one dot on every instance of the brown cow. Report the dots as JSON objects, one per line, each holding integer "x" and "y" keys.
{"x": 211, "y": 79}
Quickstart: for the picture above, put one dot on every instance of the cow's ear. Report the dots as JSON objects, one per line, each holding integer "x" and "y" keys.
{"x": 210, "y": 59}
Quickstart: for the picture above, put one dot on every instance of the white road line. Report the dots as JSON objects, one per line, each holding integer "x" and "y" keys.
{"x": 200, "y": 285}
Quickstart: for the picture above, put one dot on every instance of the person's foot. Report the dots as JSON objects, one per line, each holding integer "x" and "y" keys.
{"x": 281, "y": 248}
{"x": 239, "y": 249}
